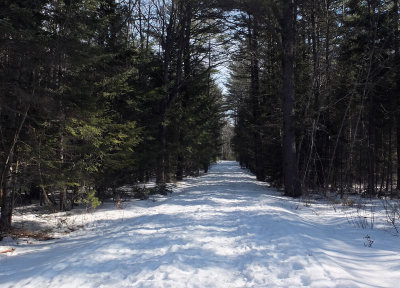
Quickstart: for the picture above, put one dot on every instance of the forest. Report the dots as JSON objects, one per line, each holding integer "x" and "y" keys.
{"x": 98, "y": 94}
{"x": 316, "y": 102}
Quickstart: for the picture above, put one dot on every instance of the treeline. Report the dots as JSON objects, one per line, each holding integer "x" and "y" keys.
{"x": 96, "y": 94}
{"x": 317, "y": 84}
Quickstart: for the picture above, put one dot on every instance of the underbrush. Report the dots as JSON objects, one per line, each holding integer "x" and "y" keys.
{"x": 362, "y": 212}
{"x": 42, "y": 223}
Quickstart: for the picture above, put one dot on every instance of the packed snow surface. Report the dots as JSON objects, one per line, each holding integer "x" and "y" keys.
{"x": 223, "y": 229}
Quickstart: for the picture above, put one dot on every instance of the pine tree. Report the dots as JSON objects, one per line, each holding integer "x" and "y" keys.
{"x": 20, "y": 87}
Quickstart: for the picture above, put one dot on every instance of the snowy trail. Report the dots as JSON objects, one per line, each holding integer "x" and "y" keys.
{"x": 223, "y": 229}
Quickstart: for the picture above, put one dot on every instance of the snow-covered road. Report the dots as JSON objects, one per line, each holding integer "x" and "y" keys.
{"x": 223, "y": 229}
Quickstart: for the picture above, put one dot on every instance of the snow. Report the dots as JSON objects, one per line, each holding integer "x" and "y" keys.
{"x": 223, "y": 229}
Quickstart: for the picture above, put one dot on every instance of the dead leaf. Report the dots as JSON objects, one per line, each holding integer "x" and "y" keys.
{"x": 7, "y": 250}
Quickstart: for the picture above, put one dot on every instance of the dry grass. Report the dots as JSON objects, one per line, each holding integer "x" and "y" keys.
{"x": 9, "y": 250}
{"x": 43, "y": 235}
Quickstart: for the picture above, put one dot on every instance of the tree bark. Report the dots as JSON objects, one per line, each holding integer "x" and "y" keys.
{"x": 162, "y": 132}
{"x": 5, "y": 181}
{"x": 396, "y": 95}
{"x": 371, "y": 145}
{"x": 290, "y": 169}
{"x": 184, "y": 55}
{"x": 255, "y": 96}
{"x": 373, "y": 26}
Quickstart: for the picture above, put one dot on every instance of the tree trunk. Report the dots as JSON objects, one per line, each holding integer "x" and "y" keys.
{"x": 371, "y": 146}
{"x": 290, "y": 172}
{"x": 373, "y": 25}
{"x": 141, "y": 37}
{"x": 325, "y": 142}
{"x": 390, "y": 165}
{"x": 185, "y": 19}
{"x": 6, "y": 180}
{"x": 160, "y": 173}
{"x": 7, "y": 198}
{"x": 318, "y": 134}
{"x": 255, "y": 97}
{"x": 162, "y": 132}
{"x": 397, "y": 88}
